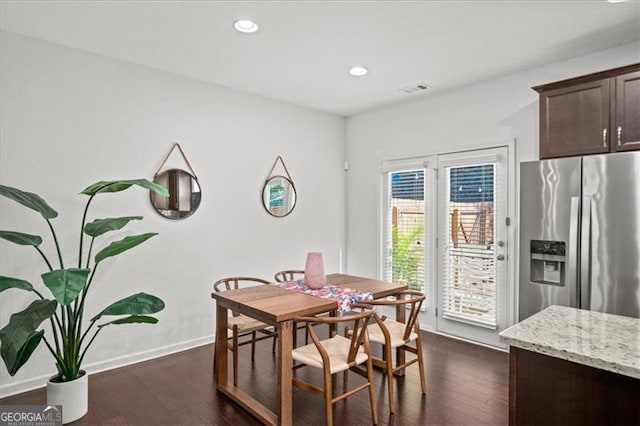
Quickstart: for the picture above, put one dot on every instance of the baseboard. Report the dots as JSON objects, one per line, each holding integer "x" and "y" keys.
{"x": 40, "y": 382}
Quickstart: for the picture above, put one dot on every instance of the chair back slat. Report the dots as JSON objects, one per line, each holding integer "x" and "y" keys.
{"x": 288, "y": 275}
{"x": 412, "y": 322}
{"x": 359, "y": 336}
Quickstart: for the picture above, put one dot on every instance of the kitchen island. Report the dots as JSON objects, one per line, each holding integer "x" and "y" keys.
{"x": 570, "y": 366}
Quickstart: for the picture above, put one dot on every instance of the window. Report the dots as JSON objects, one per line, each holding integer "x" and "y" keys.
{"x": 469, "y": 269}
{"x": 404, "y": 252}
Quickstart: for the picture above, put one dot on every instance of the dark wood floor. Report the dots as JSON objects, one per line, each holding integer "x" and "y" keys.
{"x": 466, "y": 385}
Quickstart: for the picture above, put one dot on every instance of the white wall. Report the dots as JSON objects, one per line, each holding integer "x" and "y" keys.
{"x": 71, "y": 118}
{"x": 476, "y": 116}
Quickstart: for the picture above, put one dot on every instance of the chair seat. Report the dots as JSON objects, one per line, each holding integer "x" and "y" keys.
{"x": 337, "y": 348}
{"x": 396, "y": 332}
{"x": 245, "y": 324}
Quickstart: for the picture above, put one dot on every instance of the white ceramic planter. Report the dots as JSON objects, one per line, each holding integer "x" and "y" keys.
{"x": 73, "y": 396}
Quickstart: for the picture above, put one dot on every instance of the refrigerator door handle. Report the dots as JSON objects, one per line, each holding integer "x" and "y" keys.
{"x": 572, "y": 261}
{"x": 585, "y": 253}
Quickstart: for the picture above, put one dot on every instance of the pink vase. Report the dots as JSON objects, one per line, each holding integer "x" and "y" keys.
{"x": 314, "y": 271}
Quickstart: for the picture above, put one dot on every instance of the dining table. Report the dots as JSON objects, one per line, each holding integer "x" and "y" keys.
{"x": 278, "y": 307}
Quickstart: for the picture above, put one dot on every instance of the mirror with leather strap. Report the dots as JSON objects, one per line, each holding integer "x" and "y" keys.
{"x": 279, "y": 196}
{"x": 184, "y": 194}
{"x": 184, "y": 190}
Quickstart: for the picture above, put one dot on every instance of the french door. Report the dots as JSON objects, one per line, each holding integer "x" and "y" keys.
{"x": 444, "y": 232}
{"x": 472, "y": 231}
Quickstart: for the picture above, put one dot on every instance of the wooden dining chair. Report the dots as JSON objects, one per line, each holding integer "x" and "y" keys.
{"x": 242, "y": 325}
{"x": 292, "y": 275}
{"x": 338, "y": 354}
{"x": 393, "y": 334}
{"x": 289, "y": 275}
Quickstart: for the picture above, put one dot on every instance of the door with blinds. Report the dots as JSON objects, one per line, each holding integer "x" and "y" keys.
{"x": 472, "y": 234}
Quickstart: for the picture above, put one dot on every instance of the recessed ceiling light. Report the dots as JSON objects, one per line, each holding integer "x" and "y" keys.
{"x": 358, "y": 71}
{"x": 616, "y": 1}
{"x": 245, "y": 26}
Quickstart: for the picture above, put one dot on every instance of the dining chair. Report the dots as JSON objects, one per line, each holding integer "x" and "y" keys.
{"x": 242, "y": 325}
{"x": 292, "y": 275}
{"x": 289, "y": 275}
{"x": 392, "y": 334}
{"x": 338, "y": 354}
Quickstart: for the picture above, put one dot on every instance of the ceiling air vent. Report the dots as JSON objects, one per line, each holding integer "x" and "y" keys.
{"x": 420, "y": 87}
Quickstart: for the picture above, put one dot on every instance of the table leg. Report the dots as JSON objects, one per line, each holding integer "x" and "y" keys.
{"x": 220, "y": 351}
{"x": 400, "y": 354}
{"x": 285, "y": 375}
{"x": 333, "y": 328}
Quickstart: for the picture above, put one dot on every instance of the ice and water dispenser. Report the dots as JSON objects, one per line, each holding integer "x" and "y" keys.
{"x": 548, "y": 262}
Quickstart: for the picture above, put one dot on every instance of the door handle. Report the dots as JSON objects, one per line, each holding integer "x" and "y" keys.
{"x": 500, "y": 257}
{"x": 585, "y": 251}
{"x": 572, "y": 255}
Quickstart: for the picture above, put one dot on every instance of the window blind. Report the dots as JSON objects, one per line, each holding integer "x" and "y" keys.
{"x": 404, "y": 257}
{"x": 469, "y": 270}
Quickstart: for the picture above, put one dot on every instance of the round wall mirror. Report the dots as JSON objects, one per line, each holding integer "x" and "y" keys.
{"x": 278, "y": 196}
{"x": 184, "y": 194}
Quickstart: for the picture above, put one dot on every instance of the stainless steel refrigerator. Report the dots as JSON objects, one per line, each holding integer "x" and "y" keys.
{"x": 580, "y": 234}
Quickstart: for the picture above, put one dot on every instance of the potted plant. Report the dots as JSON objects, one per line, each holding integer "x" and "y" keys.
{"x": 69, "y": 336}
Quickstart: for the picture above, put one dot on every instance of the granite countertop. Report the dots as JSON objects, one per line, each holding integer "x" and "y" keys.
{"x": 605, "y": 341}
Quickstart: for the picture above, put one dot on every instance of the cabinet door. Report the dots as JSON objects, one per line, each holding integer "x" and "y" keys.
{"x": 575, "y": 120}
{"x": 627, "y": 113}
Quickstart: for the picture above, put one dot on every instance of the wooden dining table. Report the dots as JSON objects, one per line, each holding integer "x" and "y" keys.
{"x": 278, "y": 307}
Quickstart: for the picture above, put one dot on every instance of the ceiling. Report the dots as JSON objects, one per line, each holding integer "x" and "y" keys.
{"x": 303, "y": 49}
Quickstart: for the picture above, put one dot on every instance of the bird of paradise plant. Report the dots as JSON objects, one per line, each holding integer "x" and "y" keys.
{"x": 70, "y": 337}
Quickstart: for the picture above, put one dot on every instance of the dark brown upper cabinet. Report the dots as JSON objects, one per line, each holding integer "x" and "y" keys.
{"x": 627, "y": 112}
{"x": 591, "y": 114}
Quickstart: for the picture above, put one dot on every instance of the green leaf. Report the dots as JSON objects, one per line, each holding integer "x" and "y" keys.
{"x": 24, "y": 353}
{"x": 123, "y": 245}
{"x": 101, "y": 226}
{"x": 133, "y": 319}
{"x": 17, "y": 337}
{"x": 8, "y": 282}
{"x": 66, "y": 284}
{"x": 30, "y": 200}
{"x": 137, "y": 304}
{"x": 406, "y": 254}
{"x": 21, "y": 239}
{"x": 121, "y": 185}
